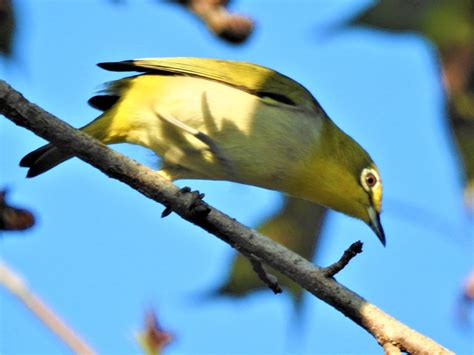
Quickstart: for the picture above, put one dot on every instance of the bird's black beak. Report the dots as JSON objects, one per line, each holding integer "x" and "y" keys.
{"x": 375, "y": 224}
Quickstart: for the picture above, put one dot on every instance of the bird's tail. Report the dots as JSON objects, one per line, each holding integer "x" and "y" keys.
{"x": 48, "y": 156}
{"x": 43, "y": 159}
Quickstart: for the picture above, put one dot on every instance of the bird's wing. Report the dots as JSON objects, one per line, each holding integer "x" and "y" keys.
{"x": 255, "y": 79}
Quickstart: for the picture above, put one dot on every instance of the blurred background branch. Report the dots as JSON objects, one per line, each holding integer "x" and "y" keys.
{"x": 13, "y": 282}
{"x": 16, "y": 219}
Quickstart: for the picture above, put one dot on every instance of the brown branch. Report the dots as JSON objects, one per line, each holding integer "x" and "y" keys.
{"x": 353, "y": 250}
{"x": 14, "y": 283}
{"x": 383, "y": 327}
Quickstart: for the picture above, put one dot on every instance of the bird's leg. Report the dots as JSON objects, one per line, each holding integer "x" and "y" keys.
{"x": 197, "y": 205}
{"x": 171, "y": 173}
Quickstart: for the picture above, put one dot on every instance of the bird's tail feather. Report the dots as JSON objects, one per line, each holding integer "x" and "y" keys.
{"x": 43, "y": 159}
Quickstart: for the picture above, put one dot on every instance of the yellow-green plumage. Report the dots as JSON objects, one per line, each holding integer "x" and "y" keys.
{"x": 223, "y": 120}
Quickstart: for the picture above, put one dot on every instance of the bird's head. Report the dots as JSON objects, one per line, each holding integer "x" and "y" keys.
{"x": 356, "y": 190}
{"x": 370, "y": 203}
{"x": 342, "y": 176}
{"x": 355, "y": 181}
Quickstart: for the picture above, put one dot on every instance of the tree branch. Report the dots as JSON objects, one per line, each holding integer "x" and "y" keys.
{"x": 383, "y": 327}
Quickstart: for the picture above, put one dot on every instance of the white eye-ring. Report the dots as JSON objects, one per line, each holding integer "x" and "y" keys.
{"x": 369, "y": 179}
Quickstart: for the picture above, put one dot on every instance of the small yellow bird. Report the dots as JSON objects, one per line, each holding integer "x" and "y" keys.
{"x": 225, "y": 120}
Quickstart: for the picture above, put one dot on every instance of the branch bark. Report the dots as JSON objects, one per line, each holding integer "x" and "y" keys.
{"x": 384, "y": 328}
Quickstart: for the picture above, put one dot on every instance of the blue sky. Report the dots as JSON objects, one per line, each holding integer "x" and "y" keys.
{"x": 100, "y": 255}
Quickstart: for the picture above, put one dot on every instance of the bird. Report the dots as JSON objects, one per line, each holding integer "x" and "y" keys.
{"x": 218, "y": 119}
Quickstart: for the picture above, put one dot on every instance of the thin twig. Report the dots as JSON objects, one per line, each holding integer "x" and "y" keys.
{"x": 270, "y": 280}
{"x": 353, "y": 250}
{"x": 151, "y": 184}
{"x": 15, "y": 284}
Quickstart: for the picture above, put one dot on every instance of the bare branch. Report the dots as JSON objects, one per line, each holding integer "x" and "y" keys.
{"x": 383, "y": 327}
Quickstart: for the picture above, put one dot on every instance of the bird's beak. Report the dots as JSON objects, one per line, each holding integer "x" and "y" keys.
{"x": 374, "y": 223}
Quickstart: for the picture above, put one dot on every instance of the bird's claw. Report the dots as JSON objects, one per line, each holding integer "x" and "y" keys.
{"x": 166, "y": 212}
{"x": 197, "y": 205}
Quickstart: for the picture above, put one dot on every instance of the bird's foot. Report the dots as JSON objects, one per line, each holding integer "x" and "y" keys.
{"x": 197, "y": 206}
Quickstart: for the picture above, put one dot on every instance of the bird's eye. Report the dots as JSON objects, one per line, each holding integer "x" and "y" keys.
{"x": 369, "y": 179}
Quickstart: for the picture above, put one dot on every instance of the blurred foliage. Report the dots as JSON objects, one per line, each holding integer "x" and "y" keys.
{"x": 466, "y": 300}
{"x": 153, "y": 339}
{"x": 445, "y": 22}
{"x": 13, "y": 218}
{"x": 7, "y": 27}
{"x": 449, "y": 25}
{"x": 230, "y": 27}
{"x": 297, "y": 226}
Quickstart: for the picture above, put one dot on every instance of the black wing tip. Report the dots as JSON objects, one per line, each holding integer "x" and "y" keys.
{"x": 32, "y": 172}
{"x": 125, "y": 65}
{"x": 28, "y": 160}
{"x": 24, "y": 164}
{"x": 103, "y": 102}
